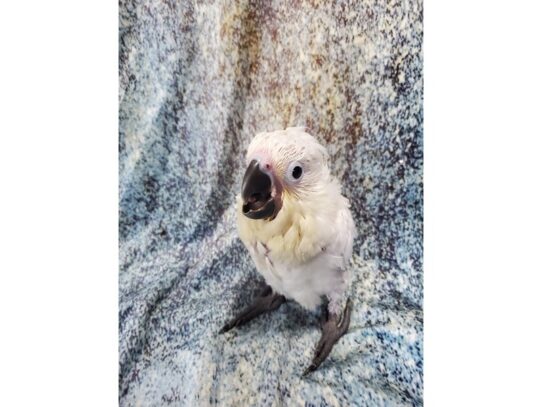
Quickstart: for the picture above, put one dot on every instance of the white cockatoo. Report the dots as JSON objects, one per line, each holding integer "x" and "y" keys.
{"x": 298, "y": 229}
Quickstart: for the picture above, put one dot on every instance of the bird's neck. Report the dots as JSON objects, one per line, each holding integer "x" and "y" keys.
{"x": 300, "y": 230}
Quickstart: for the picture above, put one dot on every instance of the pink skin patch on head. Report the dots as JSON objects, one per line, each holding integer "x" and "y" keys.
{"x": 263, "y": 158}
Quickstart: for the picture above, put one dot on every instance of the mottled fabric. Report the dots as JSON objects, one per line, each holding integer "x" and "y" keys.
{"x": 197, "y": 81}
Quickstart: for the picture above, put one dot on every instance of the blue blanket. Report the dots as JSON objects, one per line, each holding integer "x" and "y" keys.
{"x": 197, "y": 81}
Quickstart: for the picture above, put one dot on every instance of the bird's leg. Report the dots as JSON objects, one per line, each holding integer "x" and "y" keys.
{"x": 332, "y": 330}
{"x": 266, "y": 301}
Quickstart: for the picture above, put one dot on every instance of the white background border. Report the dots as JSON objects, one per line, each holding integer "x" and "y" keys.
{"x": 482, "y": 173}
{"x": 58, "y": 203}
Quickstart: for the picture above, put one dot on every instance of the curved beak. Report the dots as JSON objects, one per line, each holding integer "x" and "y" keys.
{"x": 257, "y": 193}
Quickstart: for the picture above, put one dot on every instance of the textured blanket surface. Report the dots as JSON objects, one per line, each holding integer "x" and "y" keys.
{"x": 197, "y": 81}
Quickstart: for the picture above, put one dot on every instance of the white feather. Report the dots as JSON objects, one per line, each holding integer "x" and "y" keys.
{"x": 304, "y": 252}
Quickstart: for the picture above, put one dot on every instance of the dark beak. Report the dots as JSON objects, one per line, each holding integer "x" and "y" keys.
{"x": 258, "y": 202}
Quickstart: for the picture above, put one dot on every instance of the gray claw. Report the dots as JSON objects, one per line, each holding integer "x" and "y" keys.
{"x": 267, "y": 301}
{"x": 332, "y": 331}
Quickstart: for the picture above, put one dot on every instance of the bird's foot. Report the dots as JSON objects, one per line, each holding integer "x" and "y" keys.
{"x": 332, "y": 330}
{"x": 265, "y": 302}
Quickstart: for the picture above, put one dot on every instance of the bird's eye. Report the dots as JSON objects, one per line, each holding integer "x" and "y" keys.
{"x": 297, "y": 171}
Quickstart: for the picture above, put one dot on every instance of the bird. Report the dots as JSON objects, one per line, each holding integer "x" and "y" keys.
{"x": 299, "y": 231}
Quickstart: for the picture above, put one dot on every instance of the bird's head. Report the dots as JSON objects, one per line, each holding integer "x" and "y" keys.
{"x": 285, "y": 164}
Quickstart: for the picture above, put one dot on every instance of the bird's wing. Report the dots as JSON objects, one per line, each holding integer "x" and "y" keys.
{"x": 344, "y": 238}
